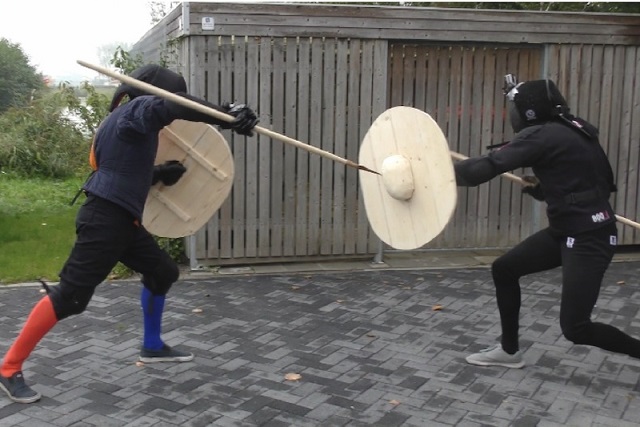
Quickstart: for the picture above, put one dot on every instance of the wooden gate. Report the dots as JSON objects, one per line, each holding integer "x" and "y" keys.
{"x": 460, "y": 86}
{"x": 322, "y": 74}
{"x": 285, "y": 201}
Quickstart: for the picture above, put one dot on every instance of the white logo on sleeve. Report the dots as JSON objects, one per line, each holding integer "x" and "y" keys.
{"x": 570, "y": 242}
{"x": 613, "y": 240}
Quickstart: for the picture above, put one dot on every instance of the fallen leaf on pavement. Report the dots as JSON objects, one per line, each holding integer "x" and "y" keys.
{"x": 292, "y": 377}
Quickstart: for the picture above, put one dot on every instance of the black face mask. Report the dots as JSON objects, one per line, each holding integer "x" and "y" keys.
{"x": 152, "y": 74}
{"x": 517, "y": 123}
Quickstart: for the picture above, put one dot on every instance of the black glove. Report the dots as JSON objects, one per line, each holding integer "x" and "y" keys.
{"x": 534, "y": 189}
{"x": 245, "y": 118}
{"x": 169, "y": 172}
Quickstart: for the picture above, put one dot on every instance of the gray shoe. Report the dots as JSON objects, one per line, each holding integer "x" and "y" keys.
{"x": 165, "y": 354}
{"x": 17, "y": 389}
{"x": 496, "y": 356}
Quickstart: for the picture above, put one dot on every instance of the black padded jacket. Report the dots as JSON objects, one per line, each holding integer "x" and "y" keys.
{"x": 574, "y": 173}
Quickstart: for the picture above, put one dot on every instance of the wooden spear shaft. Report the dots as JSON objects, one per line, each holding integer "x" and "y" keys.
{"x": 220, "y": 115}
{"x": 521, "y": 181}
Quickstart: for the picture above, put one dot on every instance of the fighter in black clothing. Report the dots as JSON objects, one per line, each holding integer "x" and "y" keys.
{"x": 574, "y": 178}
{"x": 108, "y": 225}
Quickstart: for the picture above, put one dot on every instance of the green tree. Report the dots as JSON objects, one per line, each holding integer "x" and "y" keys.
{"x": 18, "y": 78}
{"x": 124, "y": 61}
{"x": 160, "y": 9}
{"x": 107, "y": 51}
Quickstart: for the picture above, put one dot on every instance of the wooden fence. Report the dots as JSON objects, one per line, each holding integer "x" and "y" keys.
{"x": 322, "y": 74}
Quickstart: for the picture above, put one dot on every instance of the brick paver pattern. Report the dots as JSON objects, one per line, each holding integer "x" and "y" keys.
{"x": 372, "y": 348}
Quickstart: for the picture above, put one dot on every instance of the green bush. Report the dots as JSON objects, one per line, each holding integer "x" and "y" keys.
{"x": 39, "y": 141}
{"x": 51, "y": 136}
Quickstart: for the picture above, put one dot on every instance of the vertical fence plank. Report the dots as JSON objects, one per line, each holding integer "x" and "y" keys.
{"x": 409, "y": 75}
{"x": 277, "y": 147}
{"x": 522, "y": 206}
{"x": 420, "y": 87}
{"x": 616, "y": 144}
{"x": 352, "y": 142}
{"x": 238, "y": 147}
{"x": 431, "y": 98}
{"x": 226, "y": 93}
{"x": 303, "y": 122}
{"x": 290, "y": 178}
{"x": 626, "y": 169}
{"x": 632, "y": 210}
{"x": 252, "y": 162}
{"x": 489, "y": 229}
{"x": 265, "y": 144}
{"x": 471, "y": 135}
{"x": 571, "y": 88}
{"x": 197, "y": 80}
{"x": 596, "y": 70}
{"x": 379, "y": 105}
{"x": 365, "y": 120}
{"x": 454, "y": 104}
{"x": 315, "y": 138}
{"x": 585, "y": 80}
{"x": 213, "y": 95}
{"x": 339, "y": 144}
{"x": 328, "y": 129}
{"x": 606, "y": 97}
{"x": 396, "y": 74}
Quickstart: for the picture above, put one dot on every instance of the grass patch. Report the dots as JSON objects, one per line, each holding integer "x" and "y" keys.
{"x": 37, "y": 229}
{"x": 37, "y": 226}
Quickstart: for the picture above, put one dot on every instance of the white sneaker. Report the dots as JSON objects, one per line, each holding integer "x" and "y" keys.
{"x": 496, "y": 356}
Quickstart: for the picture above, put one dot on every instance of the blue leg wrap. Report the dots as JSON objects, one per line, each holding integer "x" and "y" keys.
{"x": 152, "y": 308}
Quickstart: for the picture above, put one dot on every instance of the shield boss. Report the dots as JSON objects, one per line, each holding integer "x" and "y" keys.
{"x": 413, "y": 199}
{"x": 183, "y": 208}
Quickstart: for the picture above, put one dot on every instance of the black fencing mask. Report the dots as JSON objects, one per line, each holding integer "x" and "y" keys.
{"x": 152, "y": 74}
{"x": 535, "y": 102}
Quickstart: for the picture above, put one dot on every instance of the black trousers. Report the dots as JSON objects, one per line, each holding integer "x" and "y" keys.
{"x": 584, "y": 259}
{"x": 106, "y": 234}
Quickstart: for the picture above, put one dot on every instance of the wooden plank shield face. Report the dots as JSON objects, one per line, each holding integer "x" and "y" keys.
{"x": 413, "y": 199}
{"x": 183, "y": 208}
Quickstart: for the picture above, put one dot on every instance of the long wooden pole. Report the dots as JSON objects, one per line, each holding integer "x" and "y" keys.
{"x": 521, "y": 181}
{"x": 220, "y": 115}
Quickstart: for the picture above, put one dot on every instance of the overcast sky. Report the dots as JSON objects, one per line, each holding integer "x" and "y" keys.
{"x": 57, "y": 33}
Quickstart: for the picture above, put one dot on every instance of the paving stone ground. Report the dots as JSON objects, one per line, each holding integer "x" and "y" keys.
{"x": 371, "y": 347}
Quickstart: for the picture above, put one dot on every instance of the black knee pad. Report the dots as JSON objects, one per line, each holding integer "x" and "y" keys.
{"x": 501, "y": 271}
{"x": 162, "y": 278}
{"x": 69, "y": 299}
{"x": 577, "y": 332}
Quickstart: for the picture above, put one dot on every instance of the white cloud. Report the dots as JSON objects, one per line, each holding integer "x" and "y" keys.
{"x": 56, "y": 34}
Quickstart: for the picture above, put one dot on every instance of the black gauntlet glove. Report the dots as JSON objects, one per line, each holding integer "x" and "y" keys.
{"x": 534, "y": 190}
{"x": 169, "y": 172}
{"x": 245, "y": 118}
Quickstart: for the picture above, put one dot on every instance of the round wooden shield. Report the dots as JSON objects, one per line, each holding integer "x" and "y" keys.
{"x": 183, "y": 208}
{"x": 413, "y": 199}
